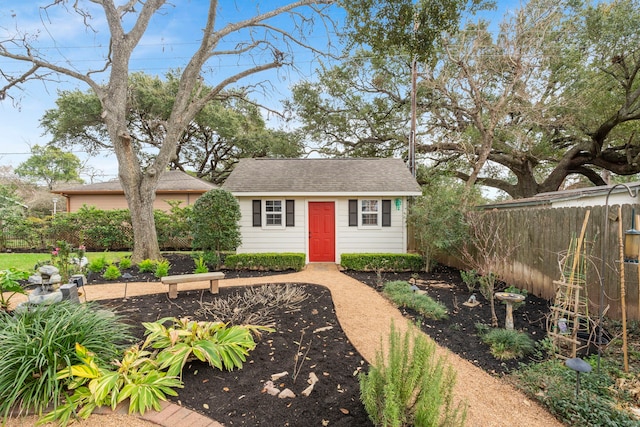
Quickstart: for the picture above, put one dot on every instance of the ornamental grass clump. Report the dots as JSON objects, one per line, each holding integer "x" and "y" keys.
{"x": 39, "y": 341}
{"x": 200, "y": 265}
{"x": 124, "y": 263}
{"x": 508, "y": 343}
{"x": 401, "y": 294}
{"x": 410, "y": 385}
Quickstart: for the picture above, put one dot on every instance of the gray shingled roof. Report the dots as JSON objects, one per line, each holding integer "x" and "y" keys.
{"x": 173, "y": 181}
{"x": 317, "y": 176}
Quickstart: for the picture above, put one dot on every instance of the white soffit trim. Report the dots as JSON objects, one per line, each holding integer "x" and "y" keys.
{"x": 301, "y": 194}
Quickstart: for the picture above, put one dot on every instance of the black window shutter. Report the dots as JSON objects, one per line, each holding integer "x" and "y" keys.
{"x": 291, "y": 213}
{"x": 353, "y": 213}
{"x": 386, "y": 213}
{"x": 257, "y": 213}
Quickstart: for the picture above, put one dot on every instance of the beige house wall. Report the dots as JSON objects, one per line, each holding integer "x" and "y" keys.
{"x": 117, "y": 201}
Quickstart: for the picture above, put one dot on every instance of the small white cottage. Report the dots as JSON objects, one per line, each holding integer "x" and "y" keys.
{"x": 322, "y": 207}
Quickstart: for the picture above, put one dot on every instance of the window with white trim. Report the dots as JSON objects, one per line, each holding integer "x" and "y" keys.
{"x": 273, "y": 213}
{"x": 369, "y": 211}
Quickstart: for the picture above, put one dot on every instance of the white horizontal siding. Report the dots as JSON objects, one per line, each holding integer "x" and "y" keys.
{"x": 265, "y": 239}
{"x": 370, "y": 240}
{"x": 391, "y": 239}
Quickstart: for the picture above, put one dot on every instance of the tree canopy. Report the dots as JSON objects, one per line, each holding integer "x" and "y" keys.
{"x": 221, "y": 133}
{"x": 50, "y": 165}
{"x": 552, "y": 95}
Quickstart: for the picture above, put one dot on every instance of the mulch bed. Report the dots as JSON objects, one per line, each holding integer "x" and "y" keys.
{"x": 237, "y": 397}
{"x": 458, "y": 332}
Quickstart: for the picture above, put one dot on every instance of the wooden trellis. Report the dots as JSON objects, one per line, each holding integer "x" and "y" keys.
{"x": 569, "y": 319}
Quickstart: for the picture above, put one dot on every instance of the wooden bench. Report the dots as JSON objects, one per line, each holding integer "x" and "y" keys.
{"x": 173, "y": 281}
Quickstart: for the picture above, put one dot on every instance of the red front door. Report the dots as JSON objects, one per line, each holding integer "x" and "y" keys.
{"x": 322, "y": 232}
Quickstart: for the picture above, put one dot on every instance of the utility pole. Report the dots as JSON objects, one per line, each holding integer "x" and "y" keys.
{"x": 414, "y": 87}
{"x": 412, "y": 133}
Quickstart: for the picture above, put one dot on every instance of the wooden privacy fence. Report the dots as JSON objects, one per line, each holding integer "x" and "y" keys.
{"x": 540, "y": 239}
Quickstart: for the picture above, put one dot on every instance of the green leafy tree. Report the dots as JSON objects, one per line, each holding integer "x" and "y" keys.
{"x": 405, "y": 26}
{"x": 357, "y": 108}
{"x": 438, "y": 219}
{"x": 214, "y": 222}
{"x": 12, "y": 210}
{"x": 223, "y": 131}
{"x": 361, "y": 107}
{"x": 261, "y": 37}
{"x": 50, "y": 165}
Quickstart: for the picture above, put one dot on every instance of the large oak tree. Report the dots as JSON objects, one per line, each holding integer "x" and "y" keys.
{"x": 552, "y": 94}
{"x": 264, "y": 39}
{"x": 221, "y": 133}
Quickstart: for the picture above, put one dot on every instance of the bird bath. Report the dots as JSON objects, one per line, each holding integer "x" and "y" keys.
{"x": 509, "y": 298}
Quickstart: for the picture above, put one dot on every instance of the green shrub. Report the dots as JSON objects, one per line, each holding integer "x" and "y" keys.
{"x": 112, "y": 272}
{"x": 124, "y": 263}
{"x": 382, "y": 262}
{"x": 41, "y": 340}
{"x": 266, "y": 261}
{"x": 212, "y": 259}
{"x": 401, "y": 294}
{"x": 508, "y": 343}
{"x": 437, "y": 217}
{"x": 214, "y": 222}
{"x": 201, "y": 265}
{"x": 98, "y": 264}
{"x": 147, "y": 266}
{"x": 410, "y": 386}
{"x": 173, "y": 227}
{"x": 162, "y": 268}
{"x": 98, "y": 229}
{"x": 471, "y": 279}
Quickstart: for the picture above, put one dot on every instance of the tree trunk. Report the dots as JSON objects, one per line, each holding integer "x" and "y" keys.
{"x": 494, "y": 317}
{"x": 145, "y": 241}
{"x": 139, "y": 188}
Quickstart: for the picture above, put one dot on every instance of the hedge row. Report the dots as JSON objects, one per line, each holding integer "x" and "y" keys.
{"x": 266, "y": 261}
{"x": 382, "y": 262}
{"x": 96, "y": 229}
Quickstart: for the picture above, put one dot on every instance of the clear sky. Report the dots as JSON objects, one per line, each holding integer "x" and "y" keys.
{"x": 171, "y": 39}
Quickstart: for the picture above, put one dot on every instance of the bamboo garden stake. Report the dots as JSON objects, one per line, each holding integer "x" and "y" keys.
{"x": 623, "y": 292}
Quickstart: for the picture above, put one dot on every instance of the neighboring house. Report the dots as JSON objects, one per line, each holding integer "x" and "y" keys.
{"x": 579, "y": 197}
{"x": 322, "y": 207}
{"x": 173, "y": 185}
